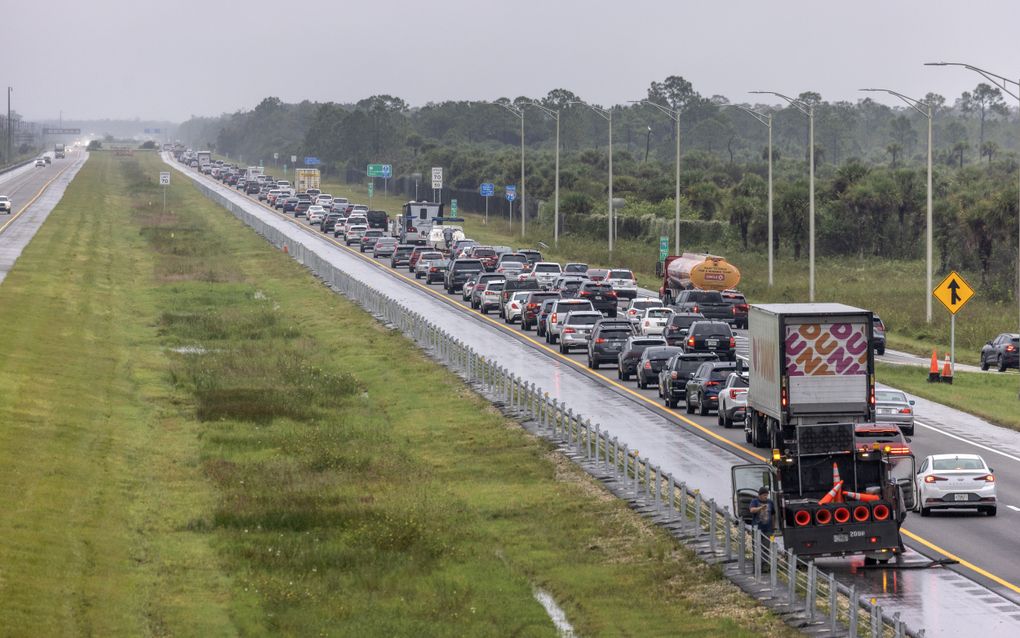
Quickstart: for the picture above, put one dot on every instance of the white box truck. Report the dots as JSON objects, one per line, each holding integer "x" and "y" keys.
{"x": 809, "y": 363}
{"x": 306, "y": 178}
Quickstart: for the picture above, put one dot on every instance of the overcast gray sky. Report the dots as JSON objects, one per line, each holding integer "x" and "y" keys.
{"x": 173, "y": 58}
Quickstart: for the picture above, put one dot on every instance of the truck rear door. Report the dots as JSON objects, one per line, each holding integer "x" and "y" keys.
{"x": 745, "y": 481}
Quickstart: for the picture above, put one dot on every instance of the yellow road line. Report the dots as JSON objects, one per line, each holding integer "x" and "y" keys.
{"x": 599, "y": 377}
{"x": 15, "y": 216}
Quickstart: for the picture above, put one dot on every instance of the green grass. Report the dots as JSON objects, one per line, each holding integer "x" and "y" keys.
{"x": 990, "y": 396}
{"x": 199, "y": 439}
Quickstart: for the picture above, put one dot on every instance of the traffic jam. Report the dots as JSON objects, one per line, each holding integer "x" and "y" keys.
{"x": 793, "y": 380}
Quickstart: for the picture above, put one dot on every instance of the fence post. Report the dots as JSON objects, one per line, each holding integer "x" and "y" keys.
{"x": 833, "y": 602}
{"x": 852, "y": 620}
{"x": 876, "y": 621}
{"x": 728, "y": 520}
{"x": 711, "y": 525}
{"x": 741, "y": 546}
{"x": 756, "y": 554}
{"x": 810, "y": 596}
{"x": 773, "y": 565}
{"x": 670, "y": 492}
{"x": 697, "y": 513}
{"x": 791, "y": 577}
{"x": 683, "y": 502}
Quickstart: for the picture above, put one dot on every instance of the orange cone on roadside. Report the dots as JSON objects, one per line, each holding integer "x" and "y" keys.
{"x": 859, "y": 496}
{"x": 933, "y": 372}
{"x": 835, "y": 474}
{"x": 947, "y": 371}
{"x": 833, "y": 493}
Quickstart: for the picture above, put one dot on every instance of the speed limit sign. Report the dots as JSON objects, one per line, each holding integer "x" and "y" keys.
{"x": 164, "y": 178}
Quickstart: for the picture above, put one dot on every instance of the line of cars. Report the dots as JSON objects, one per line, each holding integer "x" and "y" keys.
{"x": 689, "y": 356}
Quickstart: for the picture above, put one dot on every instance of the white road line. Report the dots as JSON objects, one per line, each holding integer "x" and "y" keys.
{"x": 968, "y": 441}
{"x": 1014, "y": 508}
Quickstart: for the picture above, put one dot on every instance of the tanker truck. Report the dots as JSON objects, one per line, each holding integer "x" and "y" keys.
{"x": 695, "y": 270}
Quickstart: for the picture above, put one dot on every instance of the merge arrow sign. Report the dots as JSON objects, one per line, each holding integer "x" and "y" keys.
{"x": 954, "y": 292}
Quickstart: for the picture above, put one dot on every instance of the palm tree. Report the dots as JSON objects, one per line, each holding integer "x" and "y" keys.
{"x": 894, "y": 149}
{"x": 989, "y": 148}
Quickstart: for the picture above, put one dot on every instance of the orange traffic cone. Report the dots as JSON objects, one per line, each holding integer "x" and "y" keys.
{"x": 933, "y": 372}
{"x": 947, "y": 371}
{"x": 833, "y": 493}
{"x": 835, "y": 474}
{"x": 860, "y": 496}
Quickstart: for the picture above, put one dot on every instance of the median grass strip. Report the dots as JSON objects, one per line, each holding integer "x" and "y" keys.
{"x": 990, "y": 396}
{"x": 199, "y": 439}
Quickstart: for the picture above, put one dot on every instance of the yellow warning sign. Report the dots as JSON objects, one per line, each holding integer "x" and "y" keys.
{"x": 954, "y": 292}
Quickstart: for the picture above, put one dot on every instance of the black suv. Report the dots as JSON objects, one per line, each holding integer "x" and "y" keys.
{"x": 1002, "y": 351}
{"x": 679, "y": 324}
{"x": 711, "y": 336}
{"x": 627, "y": 362}
{"x": 677, "y": 372}
{"x": 708, "y": 302}
{"x": 651, "y": 362}
{"x": 738, "y": 306}
{"x": 460, "y": 271}
{"x": 514, "y": 286}
{"x": 601, "y": 296}
{"x": 703, "y": 388}
{"x": 543, "y": 315}
{"x": 401, "y": 255}
{"x": 608, "y": 338}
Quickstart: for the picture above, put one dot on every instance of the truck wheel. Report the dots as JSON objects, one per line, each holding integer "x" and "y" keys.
{"x": 624, "y": 376}
{"x": 990, "y": 511}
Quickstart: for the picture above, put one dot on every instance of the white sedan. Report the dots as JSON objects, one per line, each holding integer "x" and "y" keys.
{"x": 951, "y": 481}
{"x": 515, "y": 306}
{"x": 316, "y": 214}
{"x": 653, "y": 321}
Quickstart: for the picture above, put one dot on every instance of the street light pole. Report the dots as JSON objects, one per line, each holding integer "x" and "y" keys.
{"x": 809, "y": 110}
{"x": 10, "y": 131}
{"x": 673, "y": 114}
{"x": 556, "y": 196}
{"x": 607, "y": 115}
{"x": 1003, "y": 83}
{"x": 927, "y": 112}
{"x": 766, "y": 120}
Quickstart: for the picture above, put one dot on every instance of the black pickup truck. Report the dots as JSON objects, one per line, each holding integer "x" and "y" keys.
{"x": 709, "y": 303}
{"x": 513, "y": 286}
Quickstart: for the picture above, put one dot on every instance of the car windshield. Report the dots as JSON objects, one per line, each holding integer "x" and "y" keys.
{"x": 688, "y": 366}
{"x": 958, "y": 464}
{"x": 494, "y": 285}
{"x": 712, "y": 330}
{"x": 642, "y": 304}
{"x": 571, "y": 285}
{"x": 739, "y": 382}
{"x": 484, "y": 252}
{"x": 683, "y": 321}
{"x": 879, "y": 435}
{"x": 704, "y": 296}
{"x": 890, "y": 395}
{"x": 620, "y": 274}
{"x": 470, "y": 266}
{"x": 576, "y": 267}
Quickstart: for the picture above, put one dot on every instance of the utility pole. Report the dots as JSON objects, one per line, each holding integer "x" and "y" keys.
{"x": 673, "y": 114}
{"x": 10, "y": 131}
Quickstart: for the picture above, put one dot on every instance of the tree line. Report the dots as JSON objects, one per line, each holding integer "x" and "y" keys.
{"x": 870, "y": 171}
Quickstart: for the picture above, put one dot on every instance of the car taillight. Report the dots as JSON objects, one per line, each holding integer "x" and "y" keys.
{"x": 905, "y": 411}
{"x": 648, "y": 365}
{"x": 611, "y": 294}
{"x": 584, "y": 293}
{"x": 1010, "y": 348}
{"x": 568, "y": 331}
{"x": 989, "y": 478}
{"x": 690, "y": 342}
{"x": 931, "y": 478}
{"x": 711, "y": 383}
{"x": 412, "y": 229}
{"x": 552, "y": 318}
{"x": 674, "y": 375}
{"x": 433, "y": 269}
{"x": 532, "y": 306}
{"x": 733, "y": 394}
{"x": 782, "y": 397}
{"x": 899, "y": 450}
{"x": 632, "y": 312}
{"x": 696, "y": 308}
{"x": 600, "y": 340}
{"x": 733, "y": 342}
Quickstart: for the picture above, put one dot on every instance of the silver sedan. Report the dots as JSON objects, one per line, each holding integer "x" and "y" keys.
{"x": 892, "y": 406}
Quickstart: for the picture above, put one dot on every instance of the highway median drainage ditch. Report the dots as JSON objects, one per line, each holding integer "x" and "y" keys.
{"x": 311, "y": 472}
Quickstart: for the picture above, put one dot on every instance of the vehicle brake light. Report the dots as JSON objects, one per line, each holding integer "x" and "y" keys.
{"x": 690, "y": 342}
{"x": 433, "y": 269}
{"x": 552, "y": 318}
{"x": 990, "y": 478}
{"x": 569, "y": 331}
{"x": 1011, "y": 348}
{"x": 898, "y": 450}
{"x": 733, "y": 342}
{"x": 931, "y": 478}
{"x": 782, "y": 396}
{"x": 611, "y": 294}
{"x": 711, "y": 383}
{"x": 905, "y": 410}
{"x": 532, "y": 306}
{"x": 696, "y": 308}
{"x": 733, "y": 394}
{"x": 648, "y": 365}
{"x": 673, "y": 375}
{"x": 600, "y": 340}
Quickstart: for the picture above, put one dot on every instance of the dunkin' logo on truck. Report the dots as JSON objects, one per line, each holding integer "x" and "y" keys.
{"x": 826, "y": 349}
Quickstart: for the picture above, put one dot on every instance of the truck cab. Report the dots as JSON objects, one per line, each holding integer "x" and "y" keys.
{"x": 830, "y": 498}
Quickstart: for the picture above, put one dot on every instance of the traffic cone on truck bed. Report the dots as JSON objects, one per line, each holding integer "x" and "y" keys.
{"x": 933, "y": 372}
{"x": 947, "y": 371}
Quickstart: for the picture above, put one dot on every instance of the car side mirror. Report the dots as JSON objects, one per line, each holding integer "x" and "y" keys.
{"x": 991, "y": 471}
{"x": 690, "y": 375}
{"x": 907, "y": 439}
{"x": 911, "y": 402}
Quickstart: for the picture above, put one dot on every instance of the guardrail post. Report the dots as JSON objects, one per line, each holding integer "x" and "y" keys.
{"x": 728, "y": 521}
{"x": 810, "y": 597}
{"x": 683, "y": 502}
{"x": 712, "y": 513}
{"x": 773, "y": 564}
{"x": 897, "y": 626}
{"x": 697, "y": 513}
{"x": 854, "y": 606}
{"x": 589, "y": 442}
{"x": 741, "y": 546}
{"x": 833, "y": 602}
{"x": 671, "y": 496}
{"x": 791, "y": 577}
{"x": 876, "y": 620}
{"x": 756, "y": 554}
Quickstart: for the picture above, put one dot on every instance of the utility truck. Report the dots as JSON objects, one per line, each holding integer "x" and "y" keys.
{"x": 698, "y": 271}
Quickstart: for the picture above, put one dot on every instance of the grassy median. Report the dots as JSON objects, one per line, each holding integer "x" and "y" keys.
{"x": 990, "y": 396}
{"x": 199, "y": 439}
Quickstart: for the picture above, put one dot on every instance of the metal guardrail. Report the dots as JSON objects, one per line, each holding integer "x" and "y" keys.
{"x": 719, "y": 537}
{"x": 7, "y": 169}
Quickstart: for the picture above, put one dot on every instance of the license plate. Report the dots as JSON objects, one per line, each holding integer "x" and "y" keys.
{"x": 711, "y": 343}
{"x": 840, "y": 538}
{"x": 886, "y": 411}
{"x": 961, "y": 497}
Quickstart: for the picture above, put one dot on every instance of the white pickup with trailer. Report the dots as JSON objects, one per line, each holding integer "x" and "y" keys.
{"x": 417, "y": 220}
{"x": 808, "y": 363}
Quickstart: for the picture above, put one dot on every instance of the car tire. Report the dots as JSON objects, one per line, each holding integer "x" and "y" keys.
{"x": 624, "y": 376}
{"x": 925, "y": 511}
{"x": 563, "y": 350}
{"x": 909, "y": 432}
{"x": 984, "y": 363}
{"x": 670, "y": 403}
{"x": 990, "y": 511}
{"x": 687, "y": 405}
{"x": 880, "y": 351}
{"x": 595, "y": 364}
{"x": 724, "y": 420}
{"x": 702, "y": 410}
{"x": 553, "y": 339}
{"x": 1001, "y": 364}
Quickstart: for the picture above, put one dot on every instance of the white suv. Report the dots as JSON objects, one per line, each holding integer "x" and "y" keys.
{"x": 5, "y": 204}
{"x": 545, "y": 273}
{"x": 623, "y": 282}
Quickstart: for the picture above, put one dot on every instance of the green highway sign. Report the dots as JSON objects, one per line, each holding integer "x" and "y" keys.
{"x": 380, "y": 170}
{"x": 453, "y": 208}
{"x": 663, "y": 247}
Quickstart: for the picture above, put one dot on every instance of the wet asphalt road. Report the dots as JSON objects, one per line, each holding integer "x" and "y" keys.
{"x": 946, "y": 601}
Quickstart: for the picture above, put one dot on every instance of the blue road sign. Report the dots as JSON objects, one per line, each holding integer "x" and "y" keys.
{"x": 312, "y": 161}
{"x": 487, "y": 189}
{"x": 511, "y": 192}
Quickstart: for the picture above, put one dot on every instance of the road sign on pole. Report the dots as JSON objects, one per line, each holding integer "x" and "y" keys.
{"x": 276, "y": 156}
{"x": 384, "y": 171}
{"x": 293, "y": 159}
{"x": 312, "y": 161}
{"x": 487, "y": 189}
{"x": 437, "y": 177}
{"x": 511, "y": 192}
{"x": 954, "y": 292}
{"x": 663, "y": 247}
{"x": 453, "y": 208}
{"x": 164, "y": 178}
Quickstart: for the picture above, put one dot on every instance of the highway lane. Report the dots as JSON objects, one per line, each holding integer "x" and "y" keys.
{"x": 34, "y": 192}
{"x": 655, "y": 432}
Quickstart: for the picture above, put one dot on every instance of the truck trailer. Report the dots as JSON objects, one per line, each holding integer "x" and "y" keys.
{"x": 58, "y": 151}
{"x": 808, "y": 363}
{"x": 305, "y": 179}
{"x": 699, "y": 271}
